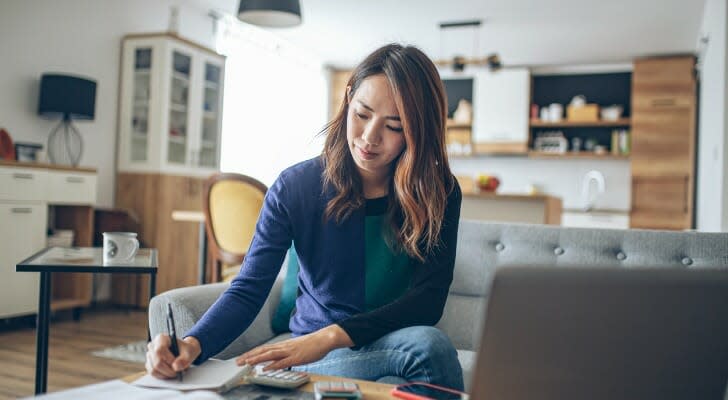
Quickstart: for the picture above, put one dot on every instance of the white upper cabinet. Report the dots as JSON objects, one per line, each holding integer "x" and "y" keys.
{"x": 501, "y": 105}
{"x": 170, "y": 106}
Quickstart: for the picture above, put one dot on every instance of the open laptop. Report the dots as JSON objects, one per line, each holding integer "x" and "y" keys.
{"x": 592, "y": 333}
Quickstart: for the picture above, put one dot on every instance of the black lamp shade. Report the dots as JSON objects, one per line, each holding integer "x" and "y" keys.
{"x": 68, "y": 96}
{"x": 270, "y": 13}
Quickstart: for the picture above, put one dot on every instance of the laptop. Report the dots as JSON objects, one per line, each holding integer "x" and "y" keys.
{"x": 604, "y": 333}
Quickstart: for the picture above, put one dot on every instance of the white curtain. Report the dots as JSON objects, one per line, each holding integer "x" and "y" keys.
{"x": 275, "y": 103}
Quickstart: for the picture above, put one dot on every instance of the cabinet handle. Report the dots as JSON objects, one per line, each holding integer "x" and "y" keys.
{"x": 21, "y": 210}
{"x": 74, "y": 179}
{"x": 22, "y": 176}
{"x": 663, "y": 102}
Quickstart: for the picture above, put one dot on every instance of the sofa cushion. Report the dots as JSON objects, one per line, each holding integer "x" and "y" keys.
{"x": 289, "y": 292}
{"x": 467, "y": 363}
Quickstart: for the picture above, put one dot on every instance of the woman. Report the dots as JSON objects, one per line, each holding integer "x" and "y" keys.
{"x": 374, "y": 223}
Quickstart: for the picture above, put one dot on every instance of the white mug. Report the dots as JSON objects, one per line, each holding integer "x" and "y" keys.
{"x": 120, "y": 247}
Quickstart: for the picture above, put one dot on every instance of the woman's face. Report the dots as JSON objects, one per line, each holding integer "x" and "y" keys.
{"x": 373, "y": 129}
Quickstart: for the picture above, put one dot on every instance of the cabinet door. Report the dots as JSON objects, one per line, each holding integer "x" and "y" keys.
{"x": 139, "y": 109}
{"x": 661, "y": 202}
{"x": 210, "y": 104}
{"x": 22, "y": 233}
{"x": 178, "y": 146}
{"x": 663, "y": 141}
{"x": 500, "y": 107}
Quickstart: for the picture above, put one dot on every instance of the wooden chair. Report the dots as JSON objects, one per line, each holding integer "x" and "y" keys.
{"x": 231, "y": 203}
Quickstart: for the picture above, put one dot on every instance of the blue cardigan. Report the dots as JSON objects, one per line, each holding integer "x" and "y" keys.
{"x": 332, "y": 269}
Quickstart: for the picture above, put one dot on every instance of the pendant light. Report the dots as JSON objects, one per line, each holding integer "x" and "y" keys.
{"x": 270, "y": 13}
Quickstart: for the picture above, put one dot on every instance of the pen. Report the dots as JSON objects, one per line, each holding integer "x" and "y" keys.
{"x": 173, "y": 336}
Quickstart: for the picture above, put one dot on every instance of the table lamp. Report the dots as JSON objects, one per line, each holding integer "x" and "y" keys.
{"x": 70, "y": 98}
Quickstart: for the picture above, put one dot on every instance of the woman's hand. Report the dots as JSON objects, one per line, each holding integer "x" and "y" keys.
{"x": 298, "y": 351}
{"x": 160, "y": 361}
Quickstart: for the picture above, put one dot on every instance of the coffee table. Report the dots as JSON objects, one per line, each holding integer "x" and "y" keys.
{"x": 77, "y": 259}
{"x": 370, "y": 390}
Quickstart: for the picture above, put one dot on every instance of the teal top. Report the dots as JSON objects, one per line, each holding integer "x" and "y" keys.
{"x": 388, "y": 272}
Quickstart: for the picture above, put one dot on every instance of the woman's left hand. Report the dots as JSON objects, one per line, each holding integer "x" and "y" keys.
{"x": 298, "y": 351}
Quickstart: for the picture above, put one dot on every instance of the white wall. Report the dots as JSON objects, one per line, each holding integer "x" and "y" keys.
{"x": 712, "y": 184}
{"x": 80, "y": 37}
{"x": 562, "y": 178}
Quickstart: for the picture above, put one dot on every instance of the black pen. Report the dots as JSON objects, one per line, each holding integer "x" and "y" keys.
{"x": 173, "y": 337}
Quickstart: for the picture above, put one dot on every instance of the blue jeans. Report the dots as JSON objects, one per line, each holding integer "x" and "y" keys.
{"x": 418, "y": 353}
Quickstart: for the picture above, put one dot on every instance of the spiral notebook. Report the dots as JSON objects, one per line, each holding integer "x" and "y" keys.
{"x": 217, "y": 375}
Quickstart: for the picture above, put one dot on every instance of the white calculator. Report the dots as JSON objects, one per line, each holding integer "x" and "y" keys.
{"x": 278, "y": 378}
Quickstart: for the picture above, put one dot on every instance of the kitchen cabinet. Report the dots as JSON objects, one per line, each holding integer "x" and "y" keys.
{"x": 170, "y": 106}
{"x": 500, "y": 110}
{"x": 663, "y": 143}
{"x": 526, "y": 209}
{"x": 33, "y": 198}
{"x": 500, "y": 102}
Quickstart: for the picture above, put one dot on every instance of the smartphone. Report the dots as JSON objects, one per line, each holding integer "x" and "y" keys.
{"x": 426, "y": 391}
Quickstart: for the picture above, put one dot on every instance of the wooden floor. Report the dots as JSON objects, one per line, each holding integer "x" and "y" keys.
{"x": 71, "y": 343}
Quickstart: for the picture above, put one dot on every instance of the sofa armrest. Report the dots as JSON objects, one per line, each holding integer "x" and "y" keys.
{"x": 190, "y": 303}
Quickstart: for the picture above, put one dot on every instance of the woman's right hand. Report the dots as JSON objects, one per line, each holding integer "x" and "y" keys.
{"x": 160, "y": 361}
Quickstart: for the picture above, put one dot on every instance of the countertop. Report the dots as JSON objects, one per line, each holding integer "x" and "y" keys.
{"x": 19, "y": 164}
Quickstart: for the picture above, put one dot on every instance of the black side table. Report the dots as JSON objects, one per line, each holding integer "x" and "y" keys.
{"x": 77, "y": 259}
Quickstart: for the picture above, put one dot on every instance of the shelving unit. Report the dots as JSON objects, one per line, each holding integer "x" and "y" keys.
{"x": 577, "y": 155}
{"x": 622, "y": 122}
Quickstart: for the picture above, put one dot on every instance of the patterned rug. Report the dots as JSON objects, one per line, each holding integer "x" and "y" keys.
{"x": 132, "y": 352}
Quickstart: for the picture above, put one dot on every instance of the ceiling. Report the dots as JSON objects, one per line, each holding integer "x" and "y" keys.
{"x": 523, "y": 32}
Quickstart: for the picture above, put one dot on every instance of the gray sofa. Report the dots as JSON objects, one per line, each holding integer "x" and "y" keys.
{"x": 483, "y": 247}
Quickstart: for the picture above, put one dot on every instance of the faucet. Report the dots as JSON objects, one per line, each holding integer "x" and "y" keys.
{"x": 586, "y": 192}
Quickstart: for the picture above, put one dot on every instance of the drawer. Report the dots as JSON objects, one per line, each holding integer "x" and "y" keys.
{"x": 23, "y": 184}
{"x": 595, "y": 220}
{"x": 71, "y": 188}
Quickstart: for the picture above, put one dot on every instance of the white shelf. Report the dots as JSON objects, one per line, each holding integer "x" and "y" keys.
{"x": 138, "y": 135}
{"x": 181, "y": 77}
{"x": 178, "y": 107}
{"x": 211, "y": 85}
{"x": 138, "y": 103}
{"x": 142, "y": 71}
{"x": 177, "y": 139}
{"x": 208, "y": 144}
{"x": 210, "y": 115}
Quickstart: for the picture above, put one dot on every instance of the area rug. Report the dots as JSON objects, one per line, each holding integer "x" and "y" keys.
{"x": 132, "y": 352}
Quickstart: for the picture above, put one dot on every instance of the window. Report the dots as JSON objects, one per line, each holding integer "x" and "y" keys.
{"x": 275, "y": 102}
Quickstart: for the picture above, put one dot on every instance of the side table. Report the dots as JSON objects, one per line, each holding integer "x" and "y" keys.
{"x": 76, "y": 259}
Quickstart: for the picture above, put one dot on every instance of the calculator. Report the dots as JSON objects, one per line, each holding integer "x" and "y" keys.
{"x": 336, "y": 390}
{"x": 279, "y": 378}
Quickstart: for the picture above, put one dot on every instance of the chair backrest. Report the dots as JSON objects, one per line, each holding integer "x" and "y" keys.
{"x": 232, "y": 203}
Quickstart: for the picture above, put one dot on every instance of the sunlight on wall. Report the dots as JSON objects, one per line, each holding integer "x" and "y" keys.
{"x": 275, "y": 103}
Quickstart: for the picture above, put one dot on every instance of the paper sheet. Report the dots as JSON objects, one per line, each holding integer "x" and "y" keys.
{"x": 212, "y": 375}
{"x": 119, "y": 390}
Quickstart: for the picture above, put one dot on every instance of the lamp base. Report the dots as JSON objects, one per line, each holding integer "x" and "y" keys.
{"x": 65, "y": 146}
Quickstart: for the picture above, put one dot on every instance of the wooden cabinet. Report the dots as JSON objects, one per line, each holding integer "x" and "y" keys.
{"x": 170, "y": 105}
{"x": 153, "y": 197}
{"x": 170, "y": 114}
{"x": 337, "y": 81}
{"x": 34, "y": 197}
{"x": 663, "y": 143}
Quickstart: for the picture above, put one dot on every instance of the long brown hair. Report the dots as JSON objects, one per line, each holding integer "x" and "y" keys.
{"x": 421, "y": 177}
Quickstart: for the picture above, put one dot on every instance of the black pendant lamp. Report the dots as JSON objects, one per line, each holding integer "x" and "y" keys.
{"x": 270, "y": 13}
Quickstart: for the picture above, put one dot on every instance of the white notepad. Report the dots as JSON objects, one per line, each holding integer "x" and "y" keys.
{"x": 217, "y": 375}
